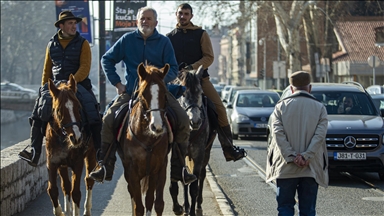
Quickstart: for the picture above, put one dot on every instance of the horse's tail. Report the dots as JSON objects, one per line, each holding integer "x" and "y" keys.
{"x": 144, "y": 184}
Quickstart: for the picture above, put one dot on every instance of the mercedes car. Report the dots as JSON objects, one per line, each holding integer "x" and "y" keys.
{"x": 355, "y": 136}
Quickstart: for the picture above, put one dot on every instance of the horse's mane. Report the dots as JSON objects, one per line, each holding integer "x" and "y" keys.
{"x": 191, "y": 82}
{"x": 153, "y": 76}
{"x": 66, "y": 93}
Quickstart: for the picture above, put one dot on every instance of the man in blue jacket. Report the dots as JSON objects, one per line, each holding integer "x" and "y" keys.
{"x": 144, "y": 44}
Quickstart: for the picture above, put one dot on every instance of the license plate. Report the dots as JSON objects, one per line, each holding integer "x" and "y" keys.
{"x": 260, "y": 125}
{"x": 349, "y": 156}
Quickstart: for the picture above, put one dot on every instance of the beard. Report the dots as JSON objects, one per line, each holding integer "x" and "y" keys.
{"x": 146, "y": 30}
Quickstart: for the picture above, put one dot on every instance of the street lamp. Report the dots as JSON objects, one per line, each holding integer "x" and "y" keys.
{"x": 261, "y": 43}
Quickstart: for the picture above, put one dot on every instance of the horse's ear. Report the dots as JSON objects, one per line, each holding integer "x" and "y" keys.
{"x": 72, "y": 83}
{"x": 199, "y": 72}
{"x": 141, "y": 71}
{"x": 165, "y": 69}
{"x": 52, "y": 88}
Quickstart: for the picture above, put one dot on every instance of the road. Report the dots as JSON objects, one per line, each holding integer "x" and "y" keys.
{"x": 241, "y": 190}
{"x": 244, "y": 184}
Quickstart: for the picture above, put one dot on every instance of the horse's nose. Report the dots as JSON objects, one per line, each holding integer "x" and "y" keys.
{"x": 72, "y": 138}
{"x": 157, "y": 129}
{"x": 195, "y": 125}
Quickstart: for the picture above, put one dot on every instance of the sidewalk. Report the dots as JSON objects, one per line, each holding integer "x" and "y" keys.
{"x": 112, "y": 198}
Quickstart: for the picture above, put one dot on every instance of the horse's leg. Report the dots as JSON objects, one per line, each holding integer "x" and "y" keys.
{"x": 186, "y": 199}
{"x": 90, "y": 164}
{"x": 149, "y": 182}
{"x": 159, "y": 202}
{"x": 134, "y": 190}
{"x": 203, "y": 174}
{"x": 76, "y": 193}
{"x": 66, "y": 188}
{"x": 52, "y": 189}
{"x": 174, "y": 191}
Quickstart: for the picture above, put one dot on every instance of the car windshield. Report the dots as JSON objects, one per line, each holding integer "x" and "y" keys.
{"x": 345, "y": 103}
{"x": 257, "y": 100}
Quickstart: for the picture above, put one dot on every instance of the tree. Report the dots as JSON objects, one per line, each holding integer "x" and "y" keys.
{"x": 26, "y": 27}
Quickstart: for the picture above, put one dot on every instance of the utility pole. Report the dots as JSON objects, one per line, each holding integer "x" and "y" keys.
{"x": 102, "y": 44}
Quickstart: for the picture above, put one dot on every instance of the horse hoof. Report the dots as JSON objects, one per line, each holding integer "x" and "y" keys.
{"x": 199, "y": 212}
{"x": 178, "y": 210}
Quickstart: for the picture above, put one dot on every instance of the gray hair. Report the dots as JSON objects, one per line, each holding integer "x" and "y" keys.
{"x": 147, "y": 8}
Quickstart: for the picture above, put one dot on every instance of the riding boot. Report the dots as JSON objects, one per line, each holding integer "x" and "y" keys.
{"x": 37, "y": 136}
{"x": 230, "y": 151}
{"x": 107, "y": 154}
{"x": 180, "y": 172}
{"x": 96, "y": 136}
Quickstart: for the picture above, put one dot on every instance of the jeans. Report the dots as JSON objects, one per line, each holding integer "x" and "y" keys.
{"x": 307, "y": 193}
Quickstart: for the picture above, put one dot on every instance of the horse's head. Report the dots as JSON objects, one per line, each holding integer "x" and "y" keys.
{"x": 151, "y": 94}
{"x": 66, "y": 110}
{"x": 192, "y": 99}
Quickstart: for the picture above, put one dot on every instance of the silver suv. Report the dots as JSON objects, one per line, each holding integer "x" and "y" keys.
{"x": 355, "y": 136}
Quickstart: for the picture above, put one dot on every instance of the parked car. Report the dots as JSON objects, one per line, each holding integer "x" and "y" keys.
{"x": 378, "y": 100}
{"x": 218, "y": 88}
{"x": 249, "y": 113}
{"x": 225, "y": 90}
{"x": 375, "y": 89}
{"x": 232, "y": 91}
{"x": 14, "y": 91}
{"x": 355, "y": 141}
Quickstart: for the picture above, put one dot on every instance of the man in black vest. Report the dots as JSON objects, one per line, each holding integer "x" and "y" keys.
{"x": 67, "y": 53}
{"x": 193, "y": 48}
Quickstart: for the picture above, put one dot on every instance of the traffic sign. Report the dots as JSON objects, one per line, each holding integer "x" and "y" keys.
{"x": 373, "y": 61}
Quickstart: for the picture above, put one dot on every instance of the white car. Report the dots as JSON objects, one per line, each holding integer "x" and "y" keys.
{"x": 375, "y": 89}
{"x": 225, "y": 90}
{"x": 14, "y": 91}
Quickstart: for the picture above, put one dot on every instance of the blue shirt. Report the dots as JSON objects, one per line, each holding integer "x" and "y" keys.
{"x": 132, "y": 49}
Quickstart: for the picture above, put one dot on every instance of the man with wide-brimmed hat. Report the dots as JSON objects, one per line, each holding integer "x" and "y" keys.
{"x": 67, "y": 53}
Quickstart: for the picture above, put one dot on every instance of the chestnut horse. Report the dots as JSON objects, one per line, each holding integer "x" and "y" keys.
{"x": 144, "y": 146}
{"x": 200, "y": 141}
{"x": 68, "y": 145}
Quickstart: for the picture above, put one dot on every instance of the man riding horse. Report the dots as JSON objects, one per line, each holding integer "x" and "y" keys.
{"x": 143, "y": 45}
{"x": 67, "y": 53}
{"x": 193, "y": 48}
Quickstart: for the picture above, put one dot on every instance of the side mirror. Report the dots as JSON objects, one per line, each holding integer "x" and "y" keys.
{"x": 382, "y": 113}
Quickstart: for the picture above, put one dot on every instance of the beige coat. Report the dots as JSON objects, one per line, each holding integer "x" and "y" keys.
{"x": 299, "y": 125}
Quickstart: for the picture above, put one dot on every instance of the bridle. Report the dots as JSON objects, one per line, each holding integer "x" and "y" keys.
{"x": 204, "y": 124}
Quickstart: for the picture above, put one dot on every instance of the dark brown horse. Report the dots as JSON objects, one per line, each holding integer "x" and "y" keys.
{"x": 144, "y": 147}
{"x": 67, "y": 145}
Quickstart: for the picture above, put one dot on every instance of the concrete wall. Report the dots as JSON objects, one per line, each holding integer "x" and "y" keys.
{"x": 20, "y": 182}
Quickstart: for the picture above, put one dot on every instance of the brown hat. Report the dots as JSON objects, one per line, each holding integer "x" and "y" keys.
{"x": 66, "y": 15}
{"x": 300, "y": 78}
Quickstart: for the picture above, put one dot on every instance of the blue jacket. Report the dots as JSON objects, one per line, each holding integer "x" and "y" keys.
{"x": 132, "y": 49}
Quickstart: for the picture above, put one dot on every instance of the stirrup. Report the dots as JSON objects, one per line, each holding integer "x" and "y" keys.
{"x": 182, "y": 175}
{"x": 33, "y": 152}
{"x": 94, "y": 170}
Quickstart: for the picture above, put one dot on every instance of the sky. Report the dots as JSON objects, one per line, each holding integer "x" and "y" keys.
{"x": 165, "y": 12}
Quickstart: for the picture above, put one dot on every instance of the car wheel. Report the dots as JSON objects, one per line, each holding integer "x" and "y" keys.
{"x": 25, "y": 97}
{"x": 381, "y": 176}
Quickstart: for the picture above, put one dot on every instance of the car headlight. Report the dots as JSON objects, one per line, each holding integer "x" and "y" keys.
{"x": 241, "y": 118}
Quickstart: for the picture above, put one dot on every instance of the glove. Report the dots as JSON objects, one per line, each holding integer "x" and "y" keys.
{"x": 188, "y": 67}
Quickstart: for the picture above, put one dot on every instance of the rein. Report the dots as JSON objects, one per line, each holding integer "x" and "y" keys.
{"x": 147, "y": 148}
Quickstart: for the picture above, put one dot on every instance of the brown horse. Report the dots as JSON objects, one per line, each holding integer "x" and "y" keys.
{"x": 145, "y": 147}
{"x": 67, "y": 145}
